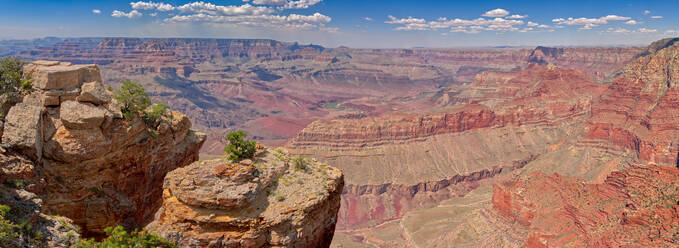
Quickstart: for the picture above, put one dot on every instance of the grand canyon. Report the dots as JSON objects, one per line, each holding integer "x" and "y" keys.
{"x": 272, "y": 142}
{"x": 451, "y": 133}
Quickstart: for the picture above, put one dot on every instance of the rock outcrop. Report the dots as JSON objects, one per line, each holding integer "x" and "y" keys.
{"x": 637, "y": 205}
{"x": 92, "y": 165}
{"x": 270, "y": 201}
{"x": 638, "y": 111}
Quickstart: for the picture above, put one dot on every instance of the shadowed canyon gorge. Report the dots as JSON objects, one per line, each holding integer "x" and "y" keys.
{"x": 423, "y": 147}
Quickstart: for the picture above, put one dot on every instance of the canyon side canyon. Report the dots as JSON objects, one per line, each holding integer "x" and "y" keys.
{"x": 467, "y": 147}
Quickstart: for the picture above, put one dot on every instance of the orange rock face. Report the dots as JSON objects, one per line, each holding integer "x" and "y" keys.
{"x": 94, "y": 166}
{"x": 636, "y": 206}
{"x": 272, "y": 203}
{"x": 638, "y": 111}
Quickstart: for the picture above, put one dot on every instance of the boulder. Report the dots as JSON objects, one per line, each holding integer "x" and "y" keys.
{"x": 23, "y": 131}
{"x": 50, "y": 75}
{"x": 95, "y": 93}
{"x": 77, "y": 115}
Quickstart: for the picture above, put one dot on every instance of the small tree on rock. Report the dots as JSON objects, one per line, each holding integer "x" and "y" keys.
{"x": 239, "y": 148}
{"x": 133, "y": 97}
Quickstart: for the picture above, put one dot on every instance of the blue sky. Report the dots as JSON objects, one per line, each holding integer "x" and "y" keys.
{"x": 354, "y": 23}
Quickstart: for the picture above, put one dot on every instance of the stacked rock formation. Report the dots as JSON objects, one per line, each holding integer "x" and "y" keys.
{"x": 94, "y": 166}
{"x": 270, "y": 201}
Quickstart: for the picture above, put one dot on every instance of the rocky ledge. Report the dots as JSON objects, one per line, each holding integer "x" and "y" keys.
{"x": 86, "y": 161}
{"x": 271, "y": 201}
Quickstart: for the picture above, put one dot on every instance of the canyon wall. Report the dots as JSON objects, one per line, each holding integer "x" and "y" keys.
{"x": 275, "y": 89}
{"x": 396, "y": 163}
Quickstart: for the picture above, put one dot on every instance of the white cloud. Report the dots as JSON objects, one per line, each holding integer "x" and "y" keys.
{"x": 516, "y": 16}
{"x": 496, "y": 13}
{"x": 456, "y": 25}
{"x": 268, "y": 2}
{"x": 367, "y": 19}
{"x": 96, "y": 11}
{"x": 646, "y": 12}
{"x": 532, "y": 24}
{"x": 131, "y": 14}
{"x": 631, "y": 22}
{"x": 212, "y": 9}
{"x": 589, "y": 23}
{"x": 656, "y": 17}
{"x": 645, "y": 30}
{"x": 301, "y": 4}
{"x": 141, "y": 5}
{"x": 614, "y": 18}
{"x": 243, "y": 15}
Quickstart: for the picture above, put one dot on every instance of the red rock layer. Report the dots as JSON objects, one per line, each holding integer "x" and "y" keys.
{"x": 638, "y": 111}
{"x": 635, "y": 207}
{"x": 538, "y": 94}
{"x": 526, "y": 104}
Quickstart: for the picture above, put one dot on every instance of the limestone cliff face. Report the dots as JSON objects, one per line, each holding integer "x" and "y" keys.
{"x": 271, "y": 201}
{"x": 93, "y": 165}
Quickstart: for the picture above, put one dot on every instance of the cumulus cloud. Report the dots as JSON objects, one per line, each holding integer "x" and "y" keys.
{"x": 645, "y": 30}
{"x": 301, "y": 4}
{"x": 96, "y": 11}
{"x": 516, "y": 16}
{"x": 131, "y": 14}
{"x": 588, "y": 23}
{"x": 631, "y": 22}
{"x": 496, "y": 13}
{"x": 367, "y": 19}
{"x": 656, "y": 17}
{"x": 268, "y": 2}
{"x": 253, "y": 13}
{"x": 212, "y": 9}
{"x": 456, "y": 25}
{"x": 646, "y": 12}
{"x": 141, "y": 5}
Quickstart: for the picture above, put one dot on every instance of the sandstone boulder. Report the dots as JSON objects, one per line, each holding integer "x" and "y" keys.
{"x": 22, "y": 129}
{"x": 271, "y": 203}
{"x": 77, "y": 115}
{"x": 95, "y": 93}
{"x": 51, "y": 75}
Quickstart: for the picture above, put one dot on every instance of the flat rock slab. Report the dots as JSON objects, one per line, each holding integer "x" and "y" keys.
{"x": 22, "y": 129}
{"x": 77, "y": 115}
{"x": 50, "y": 75}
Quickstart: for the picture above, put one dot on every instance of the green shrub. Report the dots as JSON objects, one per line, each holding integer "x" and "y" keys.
{"x": 133, "y": 98}
{"x": 157, "y": 110}
{"x": 239, "y": 148}
{"x": 118, "y": 237}
{"x": 301, "y": 163}
{"x": 11, "y": 75}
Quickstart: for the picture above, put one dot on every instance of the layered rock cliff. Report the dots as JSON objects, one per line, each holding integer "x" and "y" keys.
{"x": 636, "y": 206}
{"x": 92, "y": 165}
{"x": 275, "y": 89}
{"x": 396, "y": 163}
{"x": 272, "y": 200}
{"x": 638, "y": 111}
